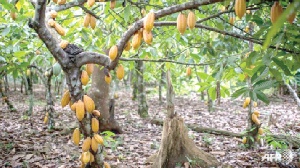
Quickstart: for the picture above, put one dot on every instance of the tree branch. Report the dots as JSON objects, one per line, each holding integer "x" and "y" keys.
{"x": 161, "y": 13}
{"x": 165, "y": 60}
{"x": 92, "y": 57}
{"x": 69, "y": 5}
{"x": 170, "y": 23}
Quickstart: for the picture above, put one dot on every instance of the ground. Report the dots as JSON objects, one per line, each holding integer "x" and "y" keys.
{"x": 26, "y": 141}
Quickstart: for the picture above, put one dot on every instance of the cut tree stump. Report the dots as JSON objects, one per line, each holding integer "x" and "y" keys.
{"x": 177, "y": 148}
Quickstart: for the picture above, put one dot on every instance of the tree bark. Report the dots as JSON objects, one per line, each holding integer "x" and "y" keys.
{"x": 218, "y": 90}
{"x": 294, "y": 93}
{"x": 6, "y": 83}
{"x": 176, "y": 146}
{"x": 5, "y": 98}
{"x": 161, "y": 82}
{"x": 252, "y": 129}
{"x": 30, "y": 90}
{"x": 141, "y": 96}
{"x": 99, "y": 92}
{"x": 50, "y": 104}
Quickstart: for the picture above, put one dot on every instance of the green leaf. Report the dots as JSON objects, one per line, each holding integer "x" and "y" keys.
{"x": 127, "y": 13}
{"x": 264, "y": 84}
{"x": 264, "y": 74}
{"x": 239, "y": 92}
{"x": 20, "y": 54}
{"x": 261, "y": 96}
{"x": 212, "y": 93}
{"x": 282, "y": 66}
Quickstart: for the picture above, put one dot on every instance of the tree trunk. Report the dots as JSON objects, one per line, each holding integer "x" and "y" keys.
{"x": 218, "y": 90}
{"x": 6, "y": 83}
{"x": 294, "y": 93}
{"x": 30, "y": 90}
{"x": 161, "y": 82}
{"x": 134, "y": 81}
{"x": 142, "y": 102}
{"x": 199, "y": 80}
{"x": 22, "y": 84}
{"x": 252, "y": 129}
{"x": 15, "y": 86}
{"x": 99, "y": 92}
{"x": 176, "y": 146}
{"x": 5, "y": 98}
{"x": 50, "y": 104}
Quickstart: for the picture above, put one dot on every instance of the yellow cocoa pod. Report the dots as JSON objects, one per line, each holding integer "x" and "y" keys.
{"x": 127, "y": 46}
{"x": 80, "y": 110}
{"x": 188, "y": 71}
{"x": 181, "y": 23}
{"x": 92, "y": 159}
{"x": 143, "y": 12}
{"x": 46, "y": 119}
{"x": 96, "y": 113}
{"x": 73, "y": 106}
{"x": 107, "y": 79}
{"x": 90, "y": 3}
{"x": 120, "y": 72}
{"x": 113, "y": 52}
{"x": 147, "y": 36}
{"x": 247, "y": 29}
{"x": 93, "y": 22}
{"x": 255, "y": 119}
{"x": 223, "y": 8}
{"x": 95, "y": 125}
{"x": 260, "y": 131}
{"x": 231, "y": 20}
{"x": 13, "y": 15}
{"x": 61, "y": 2}
{"x": 28, "y": 72}
{"x": 256, "y": 113}
{"x": 136, "y": 41}
{"x": 87, "y": 20}
{"x": 254, "y": 104}
{"x": 94, "y": 145}
{"x": 191, "y": 20}
{"x": 53, "y": 14}
{"x": 89, "y": 103}
{"x": 106, "y": 165}
{"x": 86, "y": 144}
{"x": 65, "y": 98}
{"x": 240, "y": 8}
{"x": 51, "y": 22}
{"x": 276, "y": 11}
{"x": 59, "y": 29}
{"x": 247, "y": 101}
{"x": 291, "y": 17}
{"x": 99, "y": 139}
{"x": 76, "y": 136}
{"x": 84, "y": 78}
{"x": 86, "y": 157}
{"x": 112, "y": 4}
{"x": 55, "y": 1}
{"x": 149, "y": 21}
{"x": 244, "y": 105}
{"x": 63, "y": 44}
{"x": 89, "y": 69}
{"x": 244, "y": 140}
